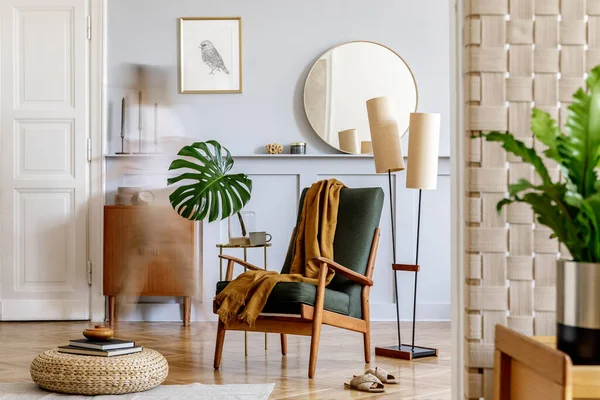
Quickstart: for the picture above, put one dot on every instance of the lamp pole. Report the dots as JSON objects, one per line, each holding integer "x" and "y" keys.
{"x": 394, "y": 257}
{"x": 414, "y": 318}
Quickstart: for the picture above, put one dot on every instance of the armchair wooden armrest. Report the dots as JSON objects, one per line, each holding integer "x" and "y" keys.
{"x": 231, "y": 260}
{"x": 348, "y": 273}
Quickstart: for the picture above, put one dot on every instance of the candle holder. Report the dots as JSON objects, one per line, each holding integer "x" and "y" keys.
{"x": 122, "y": 146}
{"x": 122, "y": 128}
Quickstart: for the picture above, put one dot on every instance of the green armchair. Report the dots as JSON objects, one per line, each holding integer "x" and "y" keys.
{"x": 344, "y": 303}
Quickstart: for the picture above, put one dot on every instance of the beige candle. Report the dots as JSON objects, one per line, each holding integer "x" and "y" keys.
{"x": 349, "y": 141}
{"x": 366, "y": 147}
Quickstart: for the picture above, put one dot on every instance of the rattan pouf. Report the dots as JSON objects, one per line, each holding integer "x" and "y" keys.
{"x": 68, "y": 373}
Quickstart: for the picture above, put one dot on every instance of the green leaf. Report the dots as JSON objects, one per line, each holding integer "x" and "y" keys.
{"x": 520, "y": 149}
{"x": 579, "y": 149}
{"x": 589, "y": 220}
{"x": 546, "y": 130}
{"x": 550, "y": 204}
{"x": 212, "y": 192}
{"x": 593, "y": 77}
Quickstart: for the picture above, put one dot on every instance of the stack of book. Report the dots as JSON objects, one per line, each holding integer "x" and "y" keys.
{"x": 105, "y": 348}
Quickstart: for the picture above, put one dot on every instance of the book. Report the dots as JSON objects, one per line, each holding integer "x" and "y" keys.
{"x": 100, "y": 353}
{"x": 109, "y": 344}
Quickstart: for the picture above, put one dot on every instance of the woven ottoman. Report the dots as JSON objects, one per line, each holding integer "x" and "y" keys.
{"x": 91, "y": 375}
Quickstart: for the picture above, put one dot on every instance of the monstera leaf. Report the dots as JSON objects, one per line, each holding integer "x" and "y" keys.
{"x": 212, "y": 192}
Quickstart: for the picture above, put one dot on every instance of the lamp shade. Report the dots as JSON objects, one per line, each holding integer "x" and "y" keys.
{"x": 385, "y": 136}
{"x": 423, "y": 150}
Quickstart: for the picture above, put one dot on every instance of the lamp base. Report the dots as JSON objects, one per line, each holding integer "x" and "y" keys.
{"x": 405, "y": 352}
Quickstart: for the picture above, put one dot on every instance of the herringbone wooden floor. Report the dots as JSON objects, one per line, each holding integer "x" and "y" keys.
{"x": 190, "y": 355}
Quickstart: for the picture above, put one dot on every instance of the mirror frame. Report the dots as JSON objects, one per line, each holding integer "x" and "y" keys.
{"x": 343, "y": 44}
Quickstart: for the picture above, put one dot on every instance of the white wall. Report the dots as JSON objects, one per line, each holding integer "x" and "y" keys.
{"x": 281, "y": 40}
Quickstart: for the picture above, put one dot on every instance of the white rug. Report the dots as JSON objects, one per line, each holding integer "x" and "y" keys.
{"x": 31, "y": 391}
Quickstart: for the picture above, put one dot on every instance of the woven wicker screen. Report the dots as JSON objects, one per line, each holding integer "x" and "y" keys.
{"x": 518, "y": 53}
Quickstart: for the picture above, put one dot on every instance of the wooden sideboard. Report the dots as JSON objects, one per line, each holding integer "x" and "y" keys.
{"x": 148, "y": 251}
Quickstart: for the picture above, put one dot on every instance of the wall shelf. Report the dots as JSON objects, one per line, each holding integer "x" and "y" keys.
{"x": 281, "y": 156}
{"x": 304, "y": 156}
{"x": 134, "y": 155}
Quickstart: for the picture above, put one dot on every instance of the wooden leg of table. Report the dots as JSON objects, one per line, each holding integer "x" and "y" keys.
{"x": 116, "y": 320}
{"x": 283, "y": 344}
{"x": 220, "y": 264}
{"x": 187, "y": 310}
{"x": 111, "y": 309}
{"x": 219, "y": 344}
{"x": 265, "y": 264}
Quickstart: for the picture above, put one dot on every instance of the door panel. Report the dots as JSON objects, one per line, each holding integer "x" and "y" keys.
{"x": 44, "y": 171}
{"x": 44, "y": 36}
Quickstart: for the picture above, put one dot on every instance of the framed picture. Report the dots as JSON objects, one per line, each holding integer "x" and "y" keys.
{"x": 210, "y": 55}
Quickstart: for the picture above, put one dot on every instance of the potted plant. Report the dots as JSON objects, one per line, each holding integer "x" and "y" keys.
{"x": 570, "y": 207}
{"x": 211, "y": 192}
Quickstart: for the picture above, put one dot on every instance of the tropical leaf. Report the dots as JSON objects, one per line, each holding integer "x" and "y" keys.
{"x": 212, "y": 192}
{"x": 579, "y": 150}
{"x": 593, "y": 77}
{"x": 546, "y": 130}
{"x": 520, "y": 149}
{"x": 571, "y": 208}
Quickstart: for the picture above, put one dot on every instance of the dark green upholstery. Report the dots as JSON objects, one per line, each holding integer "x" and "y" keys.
{"x": 358, "y": 217}
{"x": 286, "y": 298}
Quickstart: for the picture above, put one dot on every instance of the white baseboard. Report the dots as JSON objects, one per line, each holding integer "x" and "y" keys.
{"x": 155, "y": 312}
{"x": 425, "y": 312}
{"x": 43, "y": 310}
{"x": 152, "y": 312}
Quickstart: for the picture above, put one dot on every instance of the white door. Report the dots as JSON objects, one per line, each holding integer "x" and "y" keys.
{"x": 44, "y": 177}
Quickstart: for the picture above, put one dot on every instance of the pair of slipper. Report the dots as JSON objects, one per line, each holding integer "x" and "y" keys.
{"x": 371, "y": 381}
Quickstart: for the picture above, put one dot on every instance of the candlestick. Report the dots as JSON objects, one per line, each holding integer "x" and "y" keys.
{"x": 156, "y": 127}
{"x": 122, "y": 127}
{"x": 140, "y": 121}
{"x": 122, "y": 117}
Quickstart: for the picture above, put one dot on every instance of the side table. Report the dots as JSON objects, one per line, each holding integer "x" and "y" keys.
{"x": 245, "y": 247}
{"x": 585, "y": 379}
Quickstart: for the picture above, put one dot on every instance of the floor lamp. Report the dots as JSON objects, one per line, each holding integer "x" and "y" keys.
{"x": 388, "y": 158}
{"x": 422, "y": 172}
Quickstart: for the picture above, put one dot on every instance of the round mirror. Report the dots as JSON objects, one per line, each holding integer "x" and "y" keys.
{"x": 343, "y": 79}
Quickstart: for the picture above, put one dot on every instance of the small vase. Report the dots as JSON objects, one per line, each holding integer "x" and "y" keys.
{"x": 240, "y": 226}
{"x": 578, "y": 311}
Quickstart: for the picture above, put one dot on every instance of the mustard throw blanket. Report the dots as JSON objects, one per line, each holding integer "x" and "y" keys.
{"x": 245, "y": 297}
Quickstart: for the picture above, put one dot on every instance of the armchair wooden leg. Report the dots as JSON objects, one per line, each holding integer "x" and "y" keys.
{"x": 219, "y": 344}
{"x": 317, "y": 322}
{"x": 314, "y": 342}
{"x": 283, "y": 344}
{"x": 367, "y": 334}
{"x": 367, "y": 343}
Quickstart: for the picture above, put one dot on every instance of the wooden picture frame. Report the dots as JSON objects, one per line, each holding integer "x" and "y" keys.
{"x": 210, "y": 55}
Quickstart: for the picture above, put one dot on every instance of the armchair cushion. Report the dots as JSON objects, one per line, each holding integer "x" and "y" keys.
{"x": 287, "y": 297}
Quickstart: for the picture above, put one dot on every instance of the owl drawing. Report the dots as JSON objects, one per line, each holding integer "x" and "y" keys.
{"x": 212, "y": 58}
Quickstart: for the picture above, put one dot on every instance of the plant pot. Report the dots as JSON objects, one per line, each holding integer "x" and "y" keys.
{"x": 578, "y": 311}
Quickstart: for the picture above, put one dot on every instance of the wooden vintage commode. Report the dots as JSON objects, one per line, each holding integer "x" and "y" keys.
{"x": 148, "y": 251}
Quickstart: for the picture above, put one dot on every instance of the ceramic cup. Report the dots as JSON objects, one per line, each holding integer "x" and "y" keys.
{"x": 258, "y": 238}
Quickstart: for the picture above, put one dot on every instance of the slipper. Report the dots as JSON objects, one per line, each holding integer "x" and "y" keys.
{"x": 365, "y": 383}
{"x": 383, "y": 375}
